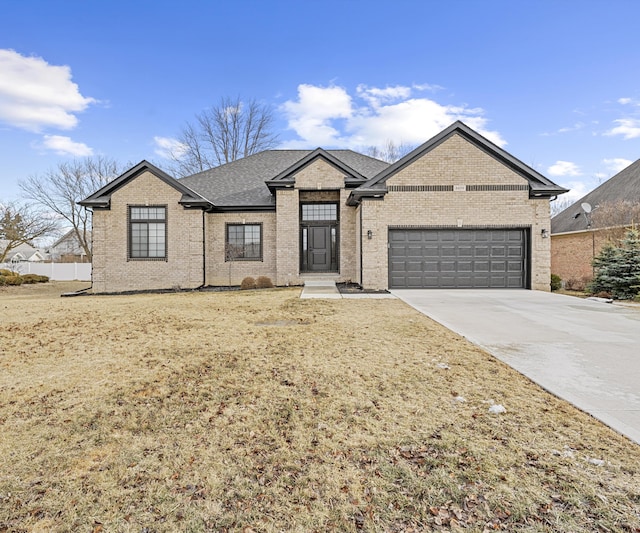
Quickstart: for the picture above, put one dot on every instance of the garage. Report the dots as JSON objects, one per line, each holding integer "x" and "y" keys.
{"x": 458, "y": 258}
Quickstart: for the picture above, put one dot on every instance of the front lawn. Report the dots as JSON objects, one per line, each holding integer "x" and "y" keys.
{"x": 258, "y": 411}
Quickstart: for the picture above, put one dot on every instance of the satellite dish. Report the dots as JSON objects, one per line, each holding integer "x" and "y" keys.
{"x": 586, "y": 207}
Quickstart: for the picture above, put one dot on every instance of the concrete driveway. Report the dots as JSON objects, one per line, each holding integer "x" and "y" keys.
{"x": 584, "y": 351}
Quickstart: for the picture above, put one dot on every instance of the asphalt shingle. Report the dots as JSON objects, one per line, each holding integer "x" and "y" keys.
{"x": 624, "y": 186}
{"x": 242, "y": 182}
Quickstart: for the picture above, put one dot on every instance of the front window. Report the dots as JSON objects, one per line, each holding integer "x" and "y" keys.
{"x": 244, "y": 242}
{"x": 147, "y": 232}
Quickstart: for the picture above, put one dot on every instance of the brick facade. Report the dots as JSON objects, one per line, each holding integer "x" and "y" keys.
{"x": 572, "y": 253}
{"x": 222, "y": 270}
{"x": 454, "y": 184}
{"x": 112, "y": 269}
{"x": 319, "y": 181}
{"x": 458, "y": 163}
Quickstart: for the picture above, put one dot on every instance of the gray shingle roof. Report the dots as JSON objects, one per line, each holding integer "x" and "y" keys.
{"x": 625, "y": 185}
{"x": 241, "y": 183}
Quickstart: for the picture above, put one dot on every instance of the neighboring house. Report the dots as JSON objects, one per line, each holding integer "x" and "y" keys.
{"x": 457, "y": 212}
{"x": 68, "y": 248}
{"x": 22, "y": 252}
{"x": 577, "y": 236}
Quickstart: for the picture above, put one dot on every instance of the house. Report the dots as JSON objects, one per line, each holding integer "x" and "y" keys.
{"x": 22, "y": 252}
{"x": 578, "y": 235}
{"x": 67, "y": 249}
{"x": 456, "y": 212}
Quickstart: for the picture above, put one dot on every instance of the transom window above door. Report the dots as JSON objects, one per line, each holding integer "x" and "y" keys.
{"x": 312, "y": 212}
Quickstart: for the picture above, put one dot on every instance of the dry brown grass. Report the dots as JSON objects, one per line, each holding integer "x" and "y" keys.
{"x": 258, "y": 411}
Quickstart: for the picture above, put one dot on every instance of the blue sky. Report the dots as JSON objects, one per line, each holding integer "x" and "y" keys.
{"x": 556, "y": 83}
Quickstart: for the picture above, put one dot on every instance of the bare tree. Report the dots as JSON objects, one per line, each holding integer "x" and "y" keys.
{"x": 20, "y": 224}
{"x": 228, "y": 131}
{"x": 60, "y": 189}
{"x": 614, "y": 218}
{"x": 560, "y": 205}
{"x": 390, "y": 152}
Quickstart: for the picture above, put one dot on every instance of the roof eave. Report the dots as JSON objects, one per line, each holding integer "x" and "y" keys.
{"x": 532, "y": 176}
{"x": 241, "y": 208}
{"x": 546, "y": 193}
{"x": 357, "y": 195}
{"x": 102, "y": 197}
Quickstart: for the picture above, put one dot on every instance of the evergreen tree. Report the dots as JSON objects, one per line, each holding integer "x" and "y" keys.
{"x": 617, "y": 268}
{"x": 605, "y": 265}
{"x": 628, "y": 281}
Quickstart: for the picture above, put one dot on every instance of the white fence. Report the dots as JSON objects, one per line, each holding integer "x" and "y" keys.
{"x": 55, "y": 271}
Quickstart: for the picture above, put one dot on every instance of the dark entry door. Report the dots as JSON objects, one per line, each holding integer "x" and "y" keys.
{"x": 319, "y": 248}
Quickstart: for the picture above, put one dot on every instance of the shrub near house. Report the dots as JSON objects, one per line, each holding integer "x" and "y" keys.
{"x": 617, "y": 268}
{"x": 9, "y": 277}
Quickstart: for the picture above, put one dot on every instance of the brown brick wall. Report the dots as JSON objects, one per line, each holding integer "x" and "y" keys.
{"x": 221, "y": 272}
{"x": 454, "y": 162}
{"x": 572, "y": 253}
{"x": 113, "y": 272}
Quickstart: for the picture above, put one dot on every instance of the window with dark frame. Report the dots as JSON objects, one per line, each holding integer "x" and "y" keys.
{"x": 313, "y": 212}
{"x": 244, "y": 242}
{"x": 148, "y": 232}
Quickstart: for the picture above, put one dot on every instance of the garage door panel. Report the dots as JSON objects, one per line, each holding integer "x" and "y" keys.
{"x": 414, "y": 266}
{"x": 457, "y": 258}
{"x": 515, "y": 251}
{"x": 431, "y": 266}
{"x": 447, "y": 266}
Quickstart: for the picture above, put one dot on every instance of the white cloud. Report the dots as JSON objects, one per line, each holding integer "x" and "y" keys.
{"x": 35, "y": 95}
{"x": 577, "y": 189}
{"x": 616, "y": 164}
{"x": 169, "y": 148}
{"x": 629, "y": 128}
{"x": 317, "y": 107}
{"x": 625, "y": 101}
{"x": 65, "y": 146}
{"x": 567, "y": 129}
{"x": 376, "y": 96}
{"x": 564, "y": 168}
{"x": 329, "y": 116}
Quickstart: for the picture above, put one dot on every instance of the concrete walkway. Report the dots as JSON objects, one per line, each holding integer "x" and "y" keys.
{"x": 326, "y": 289}
{"x": 583, "y": 351}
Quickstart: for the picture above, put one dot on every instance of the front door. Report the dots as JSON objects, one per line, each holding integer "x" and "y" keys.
{"x": 319, "y": 237}
{"x": 319, "y": 248}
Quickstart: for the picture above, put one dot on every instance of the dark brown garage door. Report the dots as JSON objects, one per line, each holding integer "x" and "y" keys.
{"x": 457, "y": 258}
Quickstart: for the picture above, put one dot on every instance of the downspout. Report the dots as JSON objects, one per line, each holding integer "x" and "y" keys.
{"x": 204, "y": 249}
{"x": 361, "y": 245}
{"x": 92, "y": 248}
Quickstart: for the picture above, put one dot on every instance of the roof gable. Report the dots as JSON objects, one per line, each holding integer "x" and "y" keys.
{"x": 102, "y": 197}
{"x": 286, "y": 178}
{"x": 539, "y": 186}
